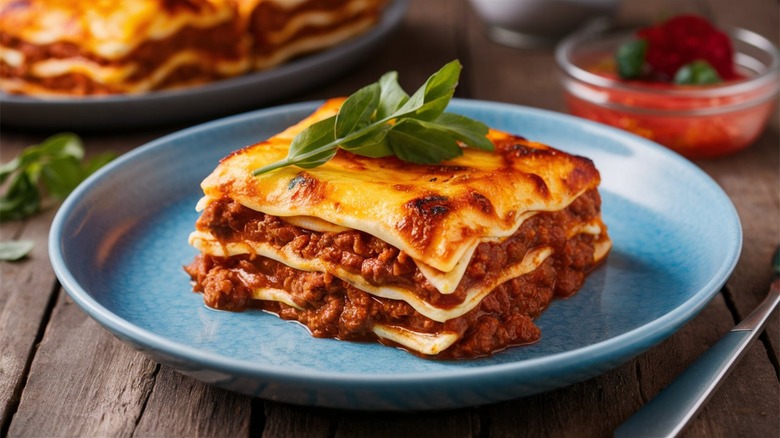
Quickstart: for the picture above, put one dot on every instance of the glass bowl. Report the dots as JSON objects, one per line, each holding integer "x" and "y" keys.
{"x": 695, "y": 120}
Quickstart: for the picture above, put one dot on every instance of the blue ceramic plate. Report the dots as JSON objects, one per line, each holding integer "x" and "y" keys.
{"x": 119, "y": 242}
{"x": 223, "y": 97}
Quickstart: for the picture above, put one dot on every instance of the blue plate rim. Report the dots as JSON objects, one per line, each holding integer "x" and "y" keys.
{"x": 645, "y": 336}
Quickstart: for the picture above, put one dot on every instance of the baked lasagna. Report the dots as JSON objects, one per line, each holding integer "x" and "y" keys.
{"x": 96, "y": 47}
{"x": 453, "y": 260}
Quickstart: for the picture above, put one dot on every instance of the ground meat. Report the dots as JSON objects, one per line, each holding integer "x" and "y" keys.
{"x": 330, "y": 307}
{"x": 382, "y": 264}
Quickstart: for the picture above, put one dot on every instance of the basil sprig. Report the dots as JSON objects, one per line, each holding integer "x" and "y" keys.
{"x": 381, "y": 120}
{"x": 54, "y": 167}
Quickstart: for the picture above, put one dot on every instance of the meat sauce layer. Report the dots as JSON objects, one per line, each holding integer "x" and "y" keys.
{"x": 380, "y": 263}
{"x": 330, "y": 307}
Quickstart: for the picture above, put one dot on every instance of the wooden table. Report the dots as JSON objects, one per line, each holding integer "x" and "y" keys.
{"x": 62, "y": 374}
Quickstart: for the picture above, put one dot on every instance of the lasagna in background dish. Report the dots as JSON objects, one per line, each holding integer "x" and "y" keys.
{"x": 452, "y": 260}
{"x": 95, "y": 47}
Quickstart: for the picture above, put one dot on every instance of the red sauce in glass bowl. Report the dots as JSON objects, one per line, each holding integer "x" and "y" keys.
{"x": 698, "y": 121}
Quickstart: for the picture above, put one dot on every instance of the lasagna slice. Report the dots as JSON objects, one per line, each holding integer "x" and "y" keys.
{"x": 98, "y": 47}
{"x": 85, "y": 47}
{"x": 453, "y": 260}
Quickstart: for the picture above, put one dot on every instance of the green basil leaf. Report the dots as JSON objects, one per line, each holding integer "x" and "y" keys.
{"x": 442, "y": 83}
{"x": 431, "y": 110}
{"x": 378, "y": 149}
{"x": 8, "y": 168}
{"x": 698, "y": 72}
{"x": 60, "y": 176}
{"x": 630, "y": 58}
{"x": 317, "y": 134}
{"x": 13, "y": 250}
{"x": 56, "y": 164}
{"x": 63, "y": 144}
{"x": 414, "y": 103}
{"x": 392, "y": 96}
{"x": 414, "y": 143}
{"x": 312, "y": 146}
{"x": 372, "y": 144}
{"x": 436, "y": 92}
{"x": 31, "y": 155}
{"x": 357, "y": 110}
{"x": 469, "y": 131}
{"x": 21, "y": 200}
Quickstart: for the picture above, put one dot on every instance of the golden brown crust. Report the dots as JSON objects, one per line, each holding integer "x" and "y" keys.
{"x": 433, "y": 213}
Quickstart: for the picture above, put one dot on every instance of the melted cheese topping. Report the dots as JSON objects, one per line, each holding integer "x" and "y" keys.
{"x": 435, "y": 214}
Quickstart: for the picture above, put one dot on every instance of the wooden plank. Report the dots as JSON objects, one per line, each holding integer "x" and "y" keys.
{"x": 82, "y": 382}
{"x": 284, "y": 420}
{"x": 589, "y": 409}
{"x": 63, "y": 345}
{"x": 182, "y": 406}
{"x": 26, "y": 288}
{"x": 445, "y": 424}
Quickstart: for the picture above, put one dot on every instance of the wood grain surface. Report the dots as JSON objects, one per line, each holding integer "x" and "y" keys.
{"x": 63, "y": 375}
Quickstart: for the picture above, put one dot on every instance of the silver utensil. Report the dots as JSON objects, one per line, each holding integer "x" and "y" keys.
{"x": 671, "y": 410}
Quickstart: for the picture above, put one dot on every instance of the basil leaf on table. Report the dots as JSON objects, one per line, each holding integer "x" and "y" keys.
{"x": 13, "y": 250}
{"x": 54, "y": 168}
